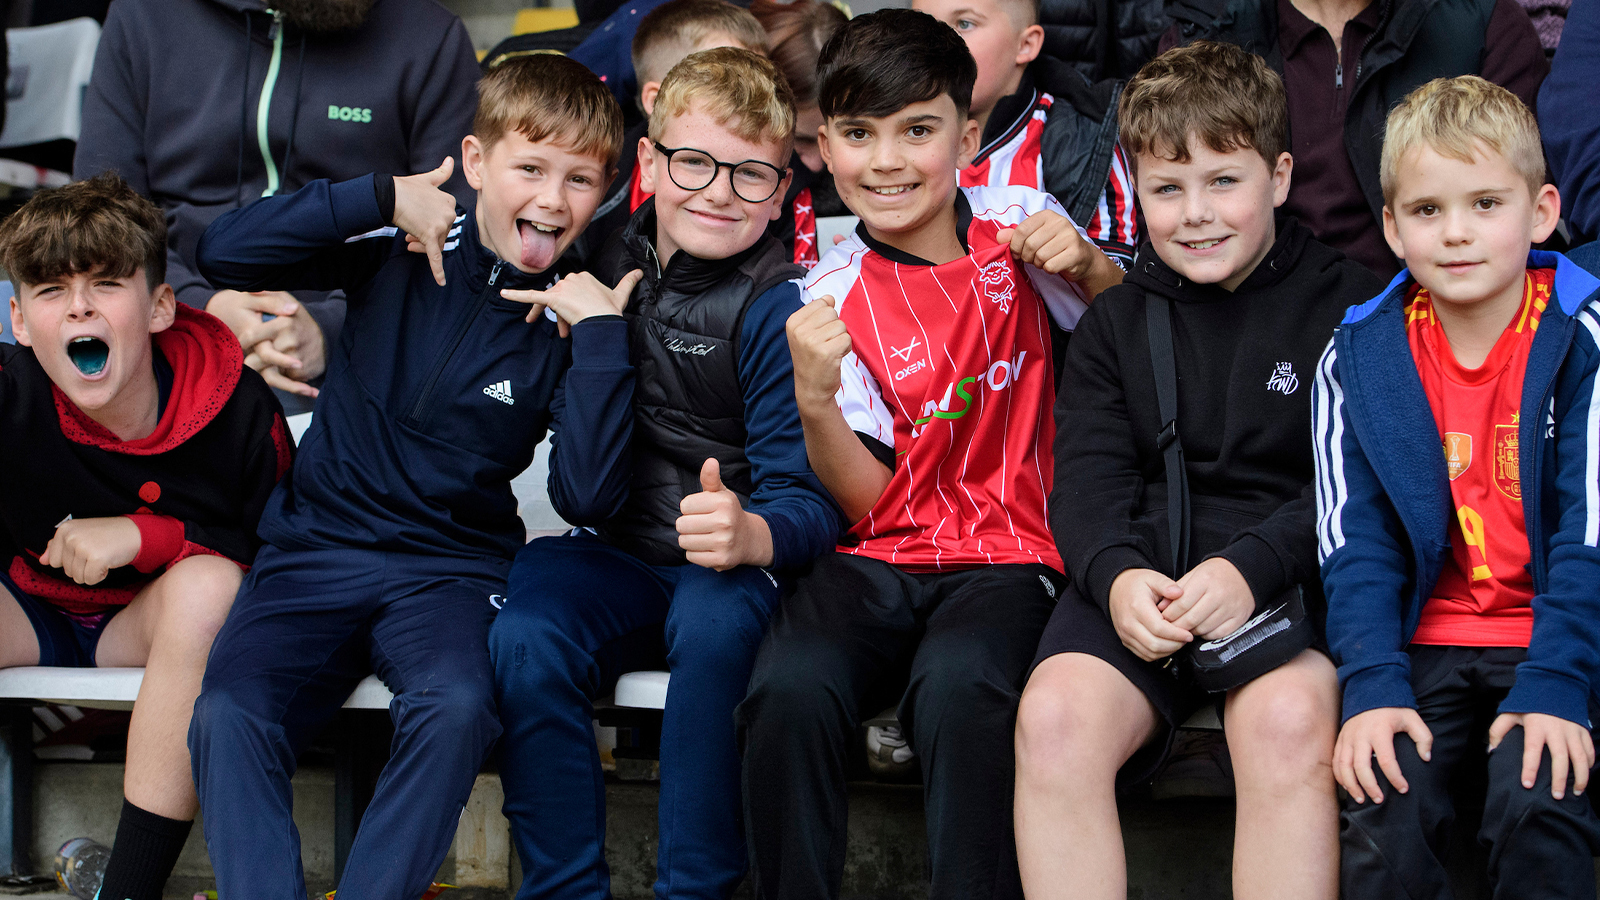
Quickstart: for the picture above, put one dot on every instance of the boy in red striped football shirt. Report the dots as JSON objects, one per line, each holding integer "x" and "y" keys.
{"x": 924, "y": 382}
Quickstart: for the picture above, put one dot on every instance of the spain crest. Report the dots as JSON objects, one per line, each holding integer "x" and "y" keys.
{"x": 1457, "y": 453}
{"x": 1507, "y": 476}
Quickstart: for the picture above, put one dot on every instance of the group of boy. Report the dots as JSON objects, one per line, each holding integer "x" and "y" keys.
{"x": 812, "y": 494}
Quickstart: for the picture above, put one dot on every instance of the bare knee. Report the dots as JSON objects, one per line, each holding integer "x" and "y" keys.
{"x": 195, "y": 594}
{"x": 1079, "y": 721}
{"x": 1281, "y": 727}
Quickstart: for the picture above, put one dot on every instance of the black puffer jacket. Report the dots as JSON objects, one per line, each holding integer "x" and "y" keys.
{"x": 1103, "y": 38}
{"x": 685, "y": 327}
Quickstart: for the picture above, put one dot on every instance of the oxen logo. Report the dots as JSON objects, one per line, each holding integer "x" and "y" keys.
{"x": 995, "y": 278}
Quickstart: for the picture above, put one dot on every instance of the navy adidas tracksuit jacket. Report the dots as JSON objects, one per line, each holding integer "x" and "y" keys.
{"x": 435, "y": 397}
{"x": 394, "y": 531}
{"x": 1384, "y": 506}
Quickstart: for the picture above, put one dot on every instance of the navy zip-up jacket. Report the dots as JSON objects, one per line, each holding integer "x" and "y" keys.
{"x": 435, "y": 396}
{"x": 1384, "y": 505}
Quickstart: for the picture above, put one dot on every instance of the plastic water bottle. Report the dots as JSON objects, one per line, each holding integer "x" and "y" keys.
{"x": 81, "y": 866}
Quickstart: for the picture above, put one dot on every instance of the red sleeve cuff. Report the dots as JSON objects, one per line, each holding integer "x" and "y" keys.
{"x": 160, "y": 541}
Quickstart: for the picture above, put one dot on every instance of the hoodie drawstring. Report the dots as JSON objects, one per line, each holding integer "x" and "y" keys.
{"x": 294, "y": 112}
{"x": 244, "y": 114}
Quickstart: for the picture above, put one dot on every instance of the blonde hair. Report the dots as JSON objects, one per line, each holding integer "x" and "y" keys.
{"x": 1224, "y": 97}
{"x": 674, "y": 29}
{"x": 730, "y": 83}
{"x": 1453, "y": 116}
{"x": 549, "y": 97}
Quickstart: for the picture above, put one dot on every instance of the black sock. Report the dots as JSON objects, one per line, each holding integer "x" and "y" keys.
{"x": 143, "y": 855}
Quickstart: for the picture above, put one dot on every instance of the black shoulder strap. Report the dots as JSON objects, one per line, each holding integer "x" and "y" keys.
{"x": 1158, "y": 322}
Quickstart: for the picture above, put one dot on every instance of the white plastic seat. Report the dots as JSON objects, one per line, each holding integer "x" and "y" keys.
{"x": 642, "y": 690}
{"x": 117, "y": 688}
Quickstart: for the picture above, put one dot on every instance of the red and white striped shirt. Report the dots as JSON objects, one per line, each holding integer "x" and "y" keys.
{"x": 1016, "y": 157}
{"x": 951, "y": 367}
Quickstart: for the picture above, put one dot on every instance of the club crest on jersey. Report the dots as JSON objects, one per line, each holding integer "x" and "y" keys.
{"x": 1457, "y": 453}
{"x": 999, "y": 376}
{"x": 1507, "y": 477}
{"x": 995, "y": 279}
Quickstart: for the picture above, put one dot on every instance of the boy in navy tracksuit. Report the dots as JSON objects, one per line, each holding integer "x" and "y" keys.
{"x": 702, "y": 503}
{"x": 393, "y": 535}
{"x": 1456, "y": 422}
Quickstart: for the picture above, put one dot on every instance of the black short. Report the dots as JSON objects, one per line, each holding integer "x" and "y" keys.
{"x": 1079, "y": 626}
{"x": 63, "y": 640}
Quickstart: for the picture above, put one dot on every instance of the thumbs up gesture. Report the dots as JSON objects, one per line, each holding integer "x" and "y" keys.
{"x": 716, "y": 532}
{"x": 425, "y": 213}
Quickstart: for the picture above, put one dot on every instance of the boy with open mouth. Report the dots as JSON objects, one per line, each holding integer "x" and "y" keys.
{"x": 141, "y": 453}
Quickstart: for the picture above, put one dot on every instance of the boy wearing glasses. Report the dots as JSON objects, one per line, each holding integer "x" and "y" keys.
{"x": 703, "y": 501}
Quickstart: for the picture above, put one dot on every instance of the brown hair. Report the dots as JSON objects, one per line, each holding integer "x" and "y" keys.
{"x": 1219, "y": 94}
{"x": 730, "y": 83}
{"x": 1453, "y": 116}
{"x": 99, "y": 226}
{"x": 549, "y": 97}
{"x": 796, "y": 32}
{"x": 882, "y": 62}
{"x": 674, "y": 29}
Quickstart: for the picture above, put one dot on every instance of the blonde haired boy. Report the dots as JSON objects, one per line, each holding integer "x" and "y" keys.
{"x": 389, "y": 542}
{"x": 702, "y": 503}
{"x": 1457, "y": 469}
{"x": 665, "y": 36}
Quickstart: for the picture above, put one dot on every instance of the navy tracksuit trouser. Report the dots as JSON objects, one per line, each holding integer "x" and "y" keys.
{"x": 306, "y": 627}
{"x": 1536, "y": 847}
{"x": 579, "y": 614}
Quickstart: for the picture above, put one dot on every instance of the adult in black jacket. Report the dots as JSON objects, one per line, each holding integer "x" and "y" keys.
{"x": 1345, "y": 64}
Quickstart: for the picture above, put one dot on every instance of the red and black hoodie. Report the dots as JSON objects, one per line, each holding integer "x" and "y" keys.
{"x": 197, "y": 484}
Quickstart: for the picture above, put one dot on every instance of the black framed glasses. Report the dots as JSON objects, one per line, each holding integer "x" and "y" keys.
{"x": 753, "y": 181}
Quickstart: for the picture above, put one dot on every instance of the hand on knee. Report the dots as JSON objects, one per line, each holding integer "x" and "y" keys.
{"x": 1372, "y": 735}
{"x": 1570, "y": 745}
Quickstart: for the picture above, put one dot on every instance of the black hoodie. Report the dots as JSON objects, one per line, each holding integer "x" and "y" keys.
{"x": 176, "y": 107}
{"x": 1245, "y": 363}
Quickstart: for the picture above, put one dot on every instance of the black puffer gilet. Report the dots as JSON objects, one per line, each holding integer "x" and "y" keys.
{"x": 683, "y": 335}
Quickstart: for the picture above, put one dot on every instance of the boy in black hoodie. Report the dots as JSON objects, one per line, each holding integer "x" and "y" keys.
{"x": 139, "y": 455}
{"x": 1251, "y": 306}
{"x": 389, "y": 544}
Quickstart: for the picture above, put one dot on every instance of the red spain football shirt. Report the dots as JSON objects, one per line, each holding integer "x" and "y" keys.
{"x": 951, "y": 367}
{"x": 1483, "y": 595}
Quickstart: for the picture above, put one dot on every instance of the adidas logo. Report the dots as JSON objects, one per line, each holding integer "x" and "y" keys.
{"x": 501, "y": 391}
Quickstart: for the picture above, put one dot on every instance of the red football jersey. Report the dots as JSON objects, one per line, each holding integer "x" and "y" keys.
{"x": 1483, "y": 595}
{"x": 951, "y": 367}
{"x": 1017, "y": 158}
